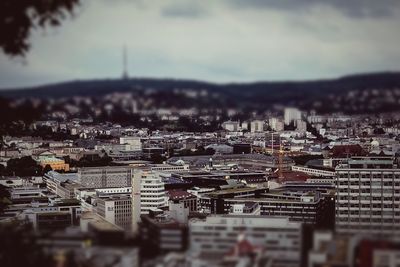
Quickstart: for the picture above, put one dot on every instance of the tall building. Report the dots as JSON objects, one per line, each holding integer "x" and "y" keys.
{"x": 116, "y": 209}
{"x": 368, "y": 196}
{"x": 291, "y": 115}
{"x": 276, "y": 124}
{"x": 152, "y": 194}
{"x": 257, "y": 126}
{"x": 301, "y": 126}
{"x": 136, "y": 200}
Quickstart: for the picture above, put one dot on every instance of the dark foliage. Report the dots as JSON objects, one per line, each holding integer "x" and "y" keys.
{"x": 4, "y": 199}
{"x": 92, "y": 161}
{"x": 302, "y": 160}
{"x": 19, "y": 247}
{"x": 24, "y": 166}
{"x": 18, "y": 18}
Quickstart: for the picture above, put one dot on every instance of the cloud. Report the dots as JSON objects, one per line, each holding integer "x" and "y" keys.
{"x": 185, "y": 10}
{"x": 351, "y": 8}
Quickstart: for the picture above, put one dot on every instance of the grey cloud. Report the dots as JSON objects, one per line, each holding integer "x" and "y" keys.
{"x": 185, "y": 10}
{"x": 351, "y": 8}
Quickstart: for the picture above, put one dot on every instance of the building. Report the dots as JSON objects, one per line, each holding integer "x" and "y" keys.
{"x": 291, "y": 115}
{"x": 231, "y": 126}
{"x": 61, "y": 184}
{"x": 256, "y": 126}
{"x": 134, "y": 142}
{"x": 218, "y": 234}
{"x": 187, "y": 199}
{"x": 101, "y": 177}
{"x": 116, "y": 209}
{"x": 368, "y": 196}
{"x": 301, "y": 126}
{"x": 308, "y": 208}
{"x": 115, "y": 204}
{"x": 276, "y": 124}
{"x": 56, "y": 215}
{"x": 314, "y": 171}
{"x": 55, "y": 164}
{"x": 161, "y": 233}
{"x": 152, "y": 193}
{"x": 215, "y": 201}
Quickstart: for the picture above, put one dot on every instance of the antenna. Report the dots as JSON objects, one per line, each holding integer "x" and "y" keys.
{"x": 124, "y": 63}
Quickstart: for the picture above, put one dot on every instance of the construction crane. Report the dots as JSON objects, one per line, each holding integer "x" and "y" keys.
{"x": 280, "y": 155}
{"x": 280, "y": 159}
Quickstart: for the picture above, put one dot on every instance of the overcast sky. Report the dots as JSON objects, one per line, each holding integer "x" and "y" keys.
{"x": 216, "y": 40}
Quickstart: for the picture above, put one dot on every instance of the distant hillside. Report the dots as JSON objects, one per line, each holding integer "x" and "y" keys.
{"x": 355, "y": 94}
{"x": 282, "y": 89}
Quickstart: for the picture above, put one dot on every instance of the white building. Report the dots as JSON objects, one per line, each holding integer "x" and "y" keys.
{"x": 291, "y": 115}
{"x": 276, "y": 124}
{"x": 134, "y": 142}
{"x": 152, "y": 194}
{"x": 313, "y": 172}
{"x": 231, "y": 126}
{"x": 256, "y": 126}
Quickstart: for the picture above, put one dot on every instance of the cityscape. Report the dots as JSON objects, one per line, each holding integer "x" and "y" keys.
{"x": 194, "y": 172}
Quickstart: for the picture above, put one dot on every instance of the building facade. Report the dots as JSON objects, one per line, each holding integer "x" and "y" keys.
{"x": 368, "y": 196}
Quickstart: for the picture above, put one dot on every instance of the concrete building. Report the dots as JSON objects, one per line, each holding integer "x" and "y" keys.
{"x": 256, "y": 126}
{"x": 134, "y": 142}
{"x": 116, "y": 209}
{"x": 115, "y": 204}
{"x": 101, "y": 177}
{"x": 301, "y": 126}
{"x": 61, "y": 184}
{"x": 231, "y": 126}
{"x": 276, "y": 124}
{"x": 280, "y": 238}
{"x": 309, "y": 208}
{"x": 56, "y": 215}
{"x": 314, "y": 171}
{"x": 161, "y": 233}
{"x": 291, "y": 115}
{"x": 368, "y": 196}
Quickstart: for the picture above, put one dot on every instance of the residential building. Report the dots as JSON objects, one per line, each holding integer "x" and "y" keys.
{"x": 291, "y": 115}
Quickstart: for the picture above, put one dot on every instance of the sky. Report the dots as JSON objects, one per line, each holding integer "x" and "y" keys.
{"x": 213, "y": 40}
